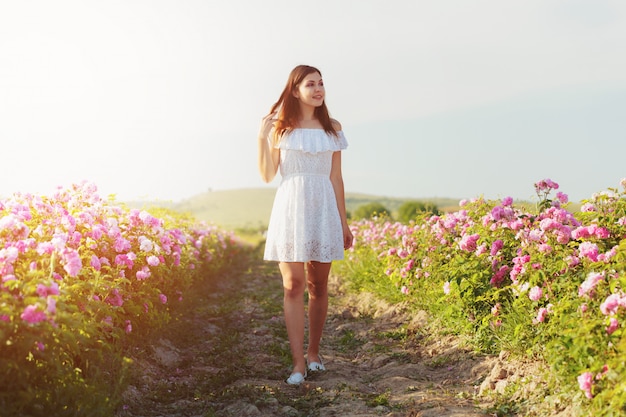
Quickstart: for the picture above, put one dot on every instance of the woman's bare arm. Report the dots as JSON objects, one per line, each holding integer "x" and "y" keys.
{"x": 269, "y": 157}
{"x": 336, "y": 178}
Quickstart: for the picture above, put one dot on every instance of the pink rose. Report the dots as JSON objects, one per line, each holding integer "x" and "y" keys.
{"x": 610, "y": 304}
{"x": 535, "y": 293}
{"x": 33, "y": 315}
{"x": 541, "y": 315}
{"x": 613, "y": 325}
{"x": 153, "y": 260}
{"x": 585, "y": 382}
{"x": 496, "y": 246}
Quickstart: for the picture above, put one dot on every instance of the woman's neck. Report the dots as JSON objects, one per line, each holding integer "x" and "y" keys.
{"x": 307, "y": 118}
{"x": 307, "y": 113}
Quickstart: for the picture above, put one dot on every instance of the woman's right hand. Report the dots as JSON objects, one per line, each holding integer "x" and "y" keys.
{"x": 267, "y": 123}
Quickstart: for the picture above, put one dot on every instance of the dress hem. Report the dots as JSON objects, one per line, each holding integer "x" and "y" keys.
{"x": 310, "y": 260}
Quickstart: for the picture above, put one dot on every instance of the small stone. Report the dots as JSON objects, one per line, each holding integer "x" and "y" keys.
{"x": 501, "y": 386}
{"x": 498, "y": 372}
{"x": 347, "y": 314}
{"x": 243, "y": 410}
{"x": 487, "y": 385}
{"x": 288, "y": 411}
{"x": 379, "y": 361}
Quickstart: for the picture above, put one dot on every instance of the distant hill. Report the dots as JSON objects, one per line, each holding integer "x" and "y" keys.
{"x": 250, "y": 207}
{"x": 354, "y": 200}
{"x": 237, "y": 208}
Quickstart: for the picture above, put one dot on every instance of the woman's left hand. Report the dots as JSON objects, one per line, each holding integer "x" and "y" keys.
{"x": 348, "y": 239}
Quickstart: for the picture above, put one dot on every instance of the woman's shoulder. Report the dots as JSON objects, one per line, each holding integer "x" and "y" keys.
{"x": 343, "y": 143}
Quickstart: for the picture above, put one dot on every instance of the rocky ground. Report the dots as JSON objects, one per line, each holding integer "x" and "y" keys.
{"x": 228, "y": 355}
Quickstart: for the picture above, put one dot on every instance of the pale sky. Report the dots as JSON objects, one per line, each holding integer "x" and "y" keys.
{"x": 162, "y": 99}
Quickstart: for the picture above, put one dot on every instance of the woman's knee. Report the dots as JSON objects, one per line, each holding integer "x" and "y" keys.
{"x": 317, "y": 290}
{"x": 293, "y": 277}
{"x": 293, "y": 287}
{"x": 317, "y": 280}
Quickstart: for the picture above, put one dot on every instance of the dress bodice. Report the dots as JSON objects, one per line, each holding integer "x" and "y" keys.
{"x": 308, "y": 152}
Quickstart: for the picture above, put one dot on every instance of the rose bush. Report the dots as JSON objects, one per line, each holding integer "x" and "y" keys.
{"x": 80, "y": 278}
{"x": 542, "y": 282}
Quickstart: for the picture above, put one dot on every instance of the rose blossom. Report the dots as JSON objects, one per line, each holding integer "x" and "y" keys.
{"x": 585, "y": 382}
{"x": 535, "y": 293}
{"x": 32, "y": 314}
{"x": 541, "y": 315}
{"x": 153, "y": 260}
{"x": 468, "y": 242}
{"x": 496, "y": 246}
{"x": 610, "y": 304}
{"x": 613, "y": 325}
{"x": 589, "y": 285}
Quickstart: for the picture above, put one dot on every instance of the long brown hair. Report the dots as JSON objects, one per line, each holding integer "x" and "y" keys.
{"x": 289, "y": 114}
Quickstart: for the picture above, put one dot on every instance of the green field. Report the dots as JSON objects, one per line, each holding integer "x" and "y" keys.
{"x": 250, "y": 208}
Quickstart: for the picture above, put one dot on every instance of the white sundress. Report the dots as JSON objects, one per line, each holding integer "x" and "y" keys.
{"x": 305, "y": 224}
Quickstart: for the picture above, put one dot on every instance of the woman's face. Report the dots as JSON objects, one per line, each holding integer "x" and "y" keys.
{"x": 311, "y": 90}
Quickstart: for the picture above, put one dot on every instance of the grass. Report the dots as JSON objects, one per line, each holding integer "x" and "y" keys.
{"x": 349, "y": 342}
{"x": 399, "y": 334}
{"x": 377, "y": 400}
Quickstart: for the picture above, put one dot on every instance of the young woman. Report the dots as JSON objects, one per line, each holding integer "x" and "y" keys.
{"x": 308, "y": 228}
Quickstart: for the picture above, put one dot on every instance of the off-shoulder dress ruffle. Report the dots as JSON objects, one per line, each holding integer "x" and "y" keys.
{"x": 312, "y": 141}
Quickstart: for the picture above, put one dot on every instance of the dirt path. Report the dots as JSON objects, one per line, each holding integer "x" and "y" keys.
{"x": 228, "y": 356}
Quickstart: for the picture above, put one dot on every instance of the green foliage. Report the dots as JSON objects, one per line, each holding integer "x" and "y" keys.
{"x": 370, "y": 210}
{"x": 363, "y": 270}
{"x": 537, "y": 284}
{"x": 377, "y": 400}
{"x": 82, "y": 280}
{"x": 412, "y": 210}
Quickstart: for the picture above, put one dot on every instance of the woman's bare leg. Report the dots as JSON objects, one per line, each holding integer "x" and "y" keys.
{"x": 293, "y": 289}
{"x": 317, "y": 283}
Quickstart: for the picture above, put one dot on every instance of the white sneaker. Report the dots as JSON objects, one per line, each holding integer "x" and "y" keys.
{"x": 317, "y": 366}
{"x": 296, "y": 378}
